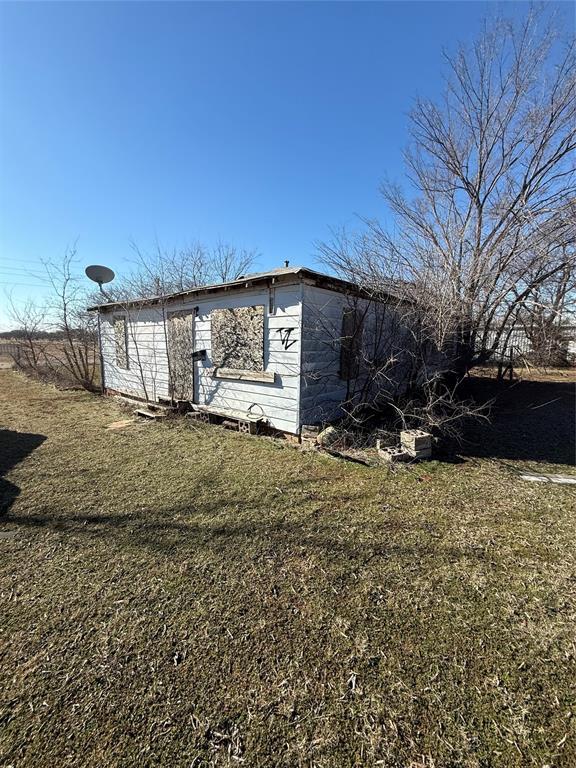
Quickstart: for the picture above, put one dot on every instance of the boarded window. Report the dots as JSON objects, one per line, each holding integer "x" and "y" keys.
{"x": 121, "y": 341}
{"x": 238, "y": 338}
{"x": 350, "y": 344}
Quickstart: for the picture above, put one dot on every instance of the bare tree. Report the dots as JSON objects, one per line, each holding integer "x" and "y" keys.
{"x": 29, "y": 319}
{"x": 67, "y": 311}
{"x": 549, "y": 312}
{"x": 163, "y": 271}
{"x": 71, "y": 353}
{"x": 492, "y": 170}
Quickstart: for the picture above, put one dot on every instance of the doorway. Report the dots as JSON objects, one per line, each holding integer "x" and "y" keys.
{"x": 180, "y": 337}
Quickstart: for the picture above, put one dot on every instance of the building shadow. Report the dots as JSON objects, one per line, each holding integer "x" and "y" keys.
{"x": 181, "y": 533}
{"x": 530, "y": 421}
{"x": 14, "y": 447}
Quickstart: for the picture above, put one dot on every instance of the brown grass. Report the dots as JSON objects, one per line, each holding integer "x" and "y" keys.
{"x": 178, "y": 596}
{"x": 52, "y": 365}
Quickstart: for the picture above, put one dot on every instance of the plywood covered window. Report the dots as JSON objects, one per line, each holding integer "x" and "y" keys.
{"x": 121, "y": 341}
{"x": 238, "y": 338}
{"x": 350, "y": 344}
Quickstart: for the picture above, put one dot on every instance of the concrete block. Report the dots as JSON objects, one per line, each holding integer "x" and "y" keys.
{"x": 417, "y": 442}
{"x": 198, "y": 416}
{"x": 394, "y": 455}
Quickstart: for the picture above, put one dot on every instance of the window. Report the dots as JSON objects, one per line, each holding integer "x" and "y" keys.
{"x": 238, "y": 338}
{"x": 121, "y": 341}
{"x": 350, "y": 344}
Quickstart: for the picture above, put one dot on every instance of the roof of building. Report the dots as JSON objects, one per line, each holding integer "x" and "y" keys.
{"x": 244, "y": 281}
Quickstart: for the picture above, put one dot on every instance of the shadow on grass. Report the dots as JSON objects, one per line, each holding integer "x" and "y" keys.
{"x": 14, "y": 447}
{"x": 531, "y": 421}
{"x": 182, "y": 533}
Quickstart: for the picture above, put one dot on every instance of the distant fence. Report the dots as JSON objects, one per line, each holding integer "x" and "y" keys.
{"x": 515, "y": 345}
{"x": 10, "y": 349}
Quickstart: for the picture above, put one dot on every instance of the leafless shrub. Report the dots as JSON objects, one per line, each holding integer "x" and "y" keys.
{"x": 71, "y": 356}
{"x": 30, "y": 320}
{"x": 547, "y": 318}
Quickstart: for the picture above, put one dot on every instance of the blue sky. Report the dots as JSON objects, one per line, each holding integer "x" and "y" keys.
{"x": 261, "y": 124}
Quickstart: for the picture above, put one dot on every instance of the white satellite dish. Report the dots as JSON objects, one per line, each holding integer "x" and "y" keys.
{"x": 99, "y": 274}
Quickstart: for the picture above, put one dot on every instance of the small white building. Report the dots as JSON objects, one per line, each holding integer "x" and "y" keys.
{"x": 283, "y": 346}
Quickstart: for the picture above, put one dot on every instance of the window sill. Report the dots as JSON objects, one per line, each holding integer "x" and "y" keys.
{"x": 267, "y": 377}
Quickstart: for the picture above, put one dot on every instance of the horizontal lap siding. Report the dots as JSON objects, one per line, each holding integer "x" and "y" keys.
{"x": 383, "y": 339}
{"x": 278, "y": 401}
{"x": 147, "y": 373}
{"x": 322, "y": 390}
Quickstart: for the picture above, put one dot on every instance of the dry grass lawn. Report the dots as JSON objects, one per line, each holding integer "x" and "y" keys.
{"x": 183, "y": 596}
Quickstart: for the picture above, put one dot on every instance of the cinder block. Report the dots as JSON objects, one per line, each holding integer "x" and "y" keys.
{"x": 394, "y": 455}
{"x": 417, "y": 442}
{"x": 198, "y": 416}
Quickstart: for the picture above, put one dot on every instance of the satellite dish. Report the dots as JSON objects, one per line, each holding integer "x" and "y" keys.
{"x": 99, "y": 274}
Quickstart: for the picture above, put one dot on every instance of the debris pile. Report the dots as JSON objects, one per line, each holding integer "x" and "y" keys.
{"x": 415, "y": 444}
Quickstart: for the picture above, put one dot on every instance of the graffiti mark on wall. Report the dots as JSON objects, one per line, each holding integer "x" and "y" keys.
{"x": 285, "y": 337}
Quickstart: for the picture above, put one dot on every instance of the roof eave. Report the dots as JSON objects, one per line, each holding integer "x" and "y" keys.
{"x": 316, "y": 278}
{"x": 243, "y": 284}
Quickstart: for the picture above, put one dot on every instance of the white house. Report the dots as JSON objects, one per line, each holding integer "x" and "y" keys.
{"x": 280, "y": 346}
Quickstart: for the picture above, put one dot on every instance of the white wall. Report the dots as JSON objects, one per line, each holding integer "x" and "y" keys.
{"x": 147, "y": 373}
{"x": 278, "y": 401}
{"x": 322, "y": 389}
{"x": 383, "y": 337}
{"x": 302, "y": 337}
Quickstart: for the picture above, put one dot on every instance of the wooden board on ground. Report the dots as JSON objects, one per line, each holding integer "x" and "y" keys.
{"x": 120, "y": 424}
{"x": 559, "y": 479}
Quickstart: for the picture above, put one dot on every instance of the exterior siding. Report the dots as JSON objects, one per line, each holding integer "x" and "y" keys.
{"x": 148, "y": 376}
{"x": 322, "y": 389}
{"x": 277, "y": 401}
{"x": 302, "y": 347}
{"x": 147, "y": 372}
{"x": 383, "y": 338}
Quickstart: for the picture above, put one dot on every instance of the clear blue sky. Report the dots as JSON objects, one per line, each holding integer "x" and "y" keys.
{"x": 262, "y": 124}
